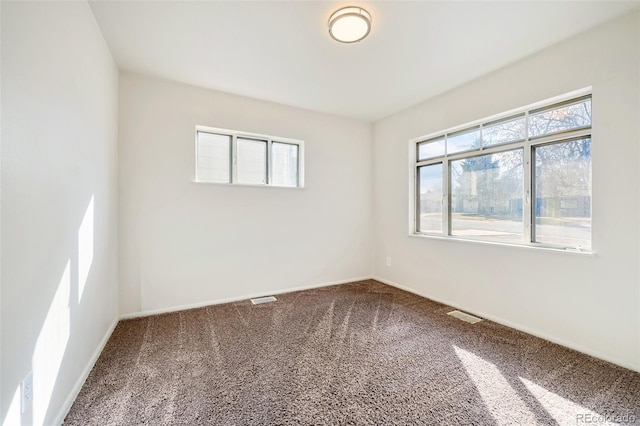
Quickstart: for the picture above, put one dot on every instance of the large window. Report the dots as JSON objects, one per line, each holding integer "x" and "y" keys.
{"x": 523, "y": 177}
{"x": 226, "y": 156}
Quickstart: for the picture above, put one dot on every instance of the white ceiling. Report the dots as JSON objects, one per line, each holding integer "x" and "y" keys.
{"x": 282, "y": 52}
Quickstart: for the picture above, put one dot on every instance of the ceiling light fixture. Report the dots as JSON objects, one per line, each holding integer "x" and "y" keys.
{"x": 349, "y": 24}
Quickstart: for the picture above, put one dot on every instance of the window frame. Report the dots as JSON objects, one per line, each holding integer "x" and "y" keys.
{"x": 527, "y": 145}
{"x": 233, "y": 156}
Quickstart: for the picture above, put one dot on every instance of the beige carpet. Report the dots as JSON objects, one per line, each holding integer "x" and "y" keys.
{"x": 356, "y": 354}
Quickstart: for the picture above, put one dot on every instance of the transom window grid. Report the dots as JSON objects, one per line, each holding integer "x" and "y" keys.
{"x": 438, "y": 153}
{"x": 248, "y": 159}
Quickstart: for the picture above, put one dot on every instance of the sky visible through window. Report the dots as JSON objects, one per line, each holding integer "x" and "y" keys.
{"x": 486, "y": 193}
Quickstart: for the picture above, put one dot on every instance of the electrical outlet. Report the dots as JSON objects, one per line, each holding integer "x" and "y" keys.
{"x": 26, "y": 392}
{"x": 388, "y": 261}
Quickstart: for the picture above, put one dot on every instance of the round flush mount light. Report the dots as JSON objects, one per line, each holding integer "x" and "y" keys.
{"x": 349, "y": 24}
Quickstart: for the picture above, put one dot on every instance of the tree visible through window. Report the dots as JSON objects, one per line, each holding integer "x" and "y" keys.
{"x": 525, "y": 178}
{"x": 563, "y": 193}
{"x": 486, "y": 196}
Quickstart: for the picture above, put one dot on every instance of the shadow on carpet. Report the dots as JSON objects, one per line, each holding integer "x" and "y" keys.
{"x": 355, "y": 354}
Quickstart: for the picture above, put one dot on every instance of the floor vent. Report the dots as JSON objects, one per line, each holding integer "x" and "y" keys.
{"x": 267, "y": 299}
{"x": 464, "y": 317}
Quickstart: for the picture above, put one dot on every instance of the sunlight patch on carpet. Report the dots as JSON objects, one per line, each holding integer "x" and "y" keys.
{"x": 563, "y": 410}
{"x": 502, "y": 401}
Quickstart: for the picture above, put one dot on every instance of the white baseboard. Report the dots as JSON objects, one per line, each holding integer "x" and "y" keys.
{"x": 85, "y": 373}
{"x": 83, "y": 376}
{"x": 150, "y": 312}
{"x": 510, "y": 324}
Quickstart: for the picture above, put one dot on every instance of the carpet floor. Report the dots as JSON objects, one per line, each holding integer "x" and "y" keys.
{"x": 356, "y": 354}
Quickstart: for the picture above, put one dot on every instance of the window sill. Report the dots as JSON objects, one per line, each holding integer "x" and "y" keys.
{"x": 587, "y": 253}
{"x": 246, "y": 185}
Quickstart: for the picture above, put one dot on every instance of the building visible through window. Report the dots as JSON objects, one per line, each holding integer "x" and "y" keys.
{"x": 523, "y": 178}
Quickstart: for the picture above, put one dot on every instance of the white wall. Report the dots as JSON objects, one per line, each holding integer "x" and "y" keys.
{"x": 59, "y": 153}
{"x": 183, "y": 243}
{"x": 591, "y": 303}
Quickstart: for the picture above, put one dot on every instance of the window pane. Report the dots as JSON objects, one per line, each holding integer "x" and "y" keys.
{"x": 430, "y": 198}
{"x": 566, "y": 117}
{"x": 431, "y": 149}
{"x": 563, "y": 194}
{"x": 284, "y": 163}
{"x": 213, "y": 157}
{"x": 463, "y": 141}
{"x": 486, "y": 197}
{"x": 503, "y": 132}
{"x": 252, "y": 161}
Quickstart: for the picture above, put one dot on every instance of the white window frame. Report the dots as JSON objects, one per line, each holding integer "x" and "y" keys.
{"x": 527, "y": 145}
{"x": 233, "y": 157}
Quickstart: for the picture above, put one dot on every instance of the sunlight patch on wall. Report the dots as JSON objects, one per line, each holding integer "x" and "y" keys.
{"x": 501, "y": 399}
{"x": 85, "y": 248}
{"x": 50, "y": 347}
{"x": 13, "y": 414}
